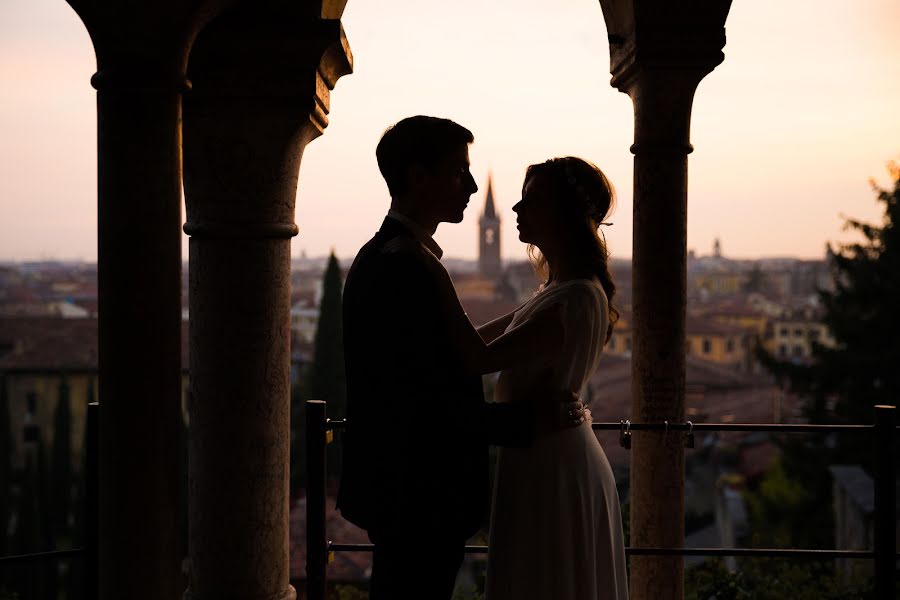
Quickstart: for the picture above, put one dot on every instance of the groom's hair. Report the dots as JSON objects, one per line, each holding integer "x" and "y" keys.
{"x": 418, "y": 140}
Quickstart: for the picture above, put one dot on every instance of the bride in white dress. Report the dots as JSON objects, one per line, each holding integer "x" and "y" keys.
{"x": 556, "y": 527}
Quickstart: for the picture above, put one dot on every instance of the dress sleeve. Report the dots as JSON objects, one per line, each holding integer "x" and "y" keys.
{"x": 585, "y": 317}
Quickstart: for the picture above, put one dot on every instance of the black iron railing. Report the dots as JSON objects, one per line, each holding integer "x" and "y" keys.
{"x": 320, "y": 431}
{"x": 88, "y": 553}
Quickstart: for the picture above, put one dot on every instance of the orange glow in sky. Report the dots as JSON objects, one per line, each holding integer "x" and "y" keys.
{"x": 787, "y": 131}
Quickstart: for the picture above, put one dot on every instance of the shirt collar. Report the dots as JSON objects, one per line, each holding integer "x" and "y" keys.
{"x": 418, "y": 231}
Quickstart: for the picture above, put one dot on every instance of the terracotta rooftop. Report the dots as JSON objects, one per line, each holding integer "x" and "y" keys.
{"x": 694, "y": 325}
{"x": 708, "y": 326}
{"x": 48, "y": 343}
{"x": 53, "y": 344}
{"x": 720, "y": 393}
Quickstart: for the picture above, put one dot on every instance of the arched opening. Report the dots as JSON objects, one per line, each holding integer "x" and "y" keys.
{"x": 551, "y": 108}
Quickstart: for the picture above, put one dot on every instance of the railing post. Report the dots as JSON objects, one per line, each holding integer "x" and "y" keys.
{"x": 316, "y": 541}
{"x": 92, "y": 502}
{"x": 885, "y": 502}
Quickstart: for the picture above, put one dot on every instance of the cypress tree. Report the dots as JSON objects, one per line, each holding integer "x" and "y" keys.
{"x": 75, "y": 579}
{"x": 860, "y": 371}
{"x": 26, "y": 536}
{"x": 32, "y": 531}
{"x": 299, "y": 396}
{"x": 61, "y": 463}
{"x": 78, "y": 504}
{"x": 6, "y": 450}
{"x": 328, "y": 381}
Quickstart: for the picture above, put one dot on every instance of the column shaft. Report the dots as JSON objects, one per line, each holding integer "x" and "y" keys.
{"x": 662, "y": 103}
{"x": 658, "y": 371}
{"x": 239, "y": 431}
{"x": 139, "y": 272}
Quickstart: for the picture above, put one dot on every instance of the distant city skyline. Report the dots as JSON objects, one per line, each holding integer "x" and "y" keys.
{"x": 787, "y": 130}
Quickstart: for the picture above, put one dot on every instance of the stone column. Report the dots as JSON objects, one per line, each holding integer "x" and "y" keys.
{"x": 142, "y": 50}
{"x": 658, "y": 55}
{"x": 262, "y": 75}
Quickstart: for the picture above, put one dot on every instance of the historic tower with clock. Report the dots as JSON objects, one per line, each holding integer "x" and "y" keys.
{"x": 489, "y": 238}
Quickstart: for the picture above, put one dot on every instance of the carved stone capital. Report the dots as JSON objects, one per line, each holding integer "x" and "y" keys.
{"x": 693, "y": 53}
{"x": 659, "y": 51}
{"x": 262, "y": 75}
{"x": 143, "y": 45}
{"x": 275, "y": 53}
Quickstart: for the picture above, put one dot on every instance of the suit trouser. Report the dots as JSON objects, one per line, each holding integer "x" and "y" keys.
{"x": 427, "y": 572}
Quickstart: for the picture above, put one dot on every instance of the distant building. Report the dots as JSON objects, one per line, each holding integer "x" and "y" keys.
{"x": 42, "y": 358}
{"x": 519, "y": 281}
{"x": 853, "y": 502}
{"x": 719, "y": 283}
{"x": 745, "y": 316}
{"x": 620, "y": 342}
{"x": 489, "y": 264}
{"x": 305, "y": 318}
{"x": 720, "y": 342}
{"x": 792, "y": 337}
{"x": 69, "y": 310}
{"x": 475, "y": 286}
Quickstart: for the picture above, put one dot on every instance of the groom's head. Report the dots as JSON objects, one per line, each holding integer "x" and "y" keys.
{"x": 425, "y": 163}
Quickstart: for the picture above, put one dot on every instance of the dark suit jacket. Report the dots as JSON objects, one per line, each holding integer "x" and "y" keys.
{"x": 415, "y": 448}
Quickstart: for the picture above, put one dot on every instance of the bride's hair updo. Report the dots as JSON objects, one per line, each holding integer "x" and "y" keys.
{"x": 586, "y": 198}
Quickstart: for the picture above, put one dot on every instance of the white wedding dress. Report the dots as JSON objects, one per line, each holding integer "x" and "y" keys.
{"x": 556, "y": 527}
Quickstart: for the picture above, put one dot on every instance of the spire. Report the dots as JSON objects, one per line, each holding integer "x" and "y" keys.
{"x": 489, "y": 211}
{"x": 489, "y": 263}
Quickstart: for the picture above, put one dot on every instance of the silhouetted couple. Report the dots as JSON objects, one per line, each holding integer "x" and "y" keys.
{"x": 415, "y": 470}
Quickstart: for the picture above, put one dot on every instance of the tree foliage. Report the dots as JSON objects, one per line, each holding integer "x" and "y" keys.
{"x": 845, "y": 381}
{"x": 6, "y": 449}
{"x": 61, "y": 474}
{"x": 784, "y": 513}
{"x": 32, "y": 528}
{"x": 32, "y": 534}
{"x": 327, "y": 378}
{"x": 841, "y": 384}
{"x": 299, "y": 396}
{"x": 755, "y": 280}
{"x": 322, "y": 379}
{"x": 771, "y": 579}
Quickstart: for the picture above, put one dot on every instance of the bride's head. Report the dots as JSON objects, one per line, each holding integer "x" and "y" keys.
{"x": 564, "y": 203}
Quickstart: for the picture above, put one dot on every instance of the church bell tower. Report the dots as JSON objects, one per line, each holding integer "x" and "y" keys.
{"x": 489, "y": 264}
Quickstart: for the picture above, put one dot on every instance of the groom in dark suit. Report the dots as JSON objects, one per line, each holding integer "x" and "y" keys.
{"x": 415, "y": 462}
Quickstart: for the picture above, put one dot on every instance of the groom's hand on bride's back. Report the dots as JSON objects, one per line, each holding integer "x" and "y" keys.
{"x": 556, "y": 409}
{"x": 567, "y": 410}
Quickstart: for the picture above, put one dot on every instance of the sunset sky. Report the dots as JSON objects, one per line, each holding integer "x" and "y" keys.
{"x": 787, "y": 131}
